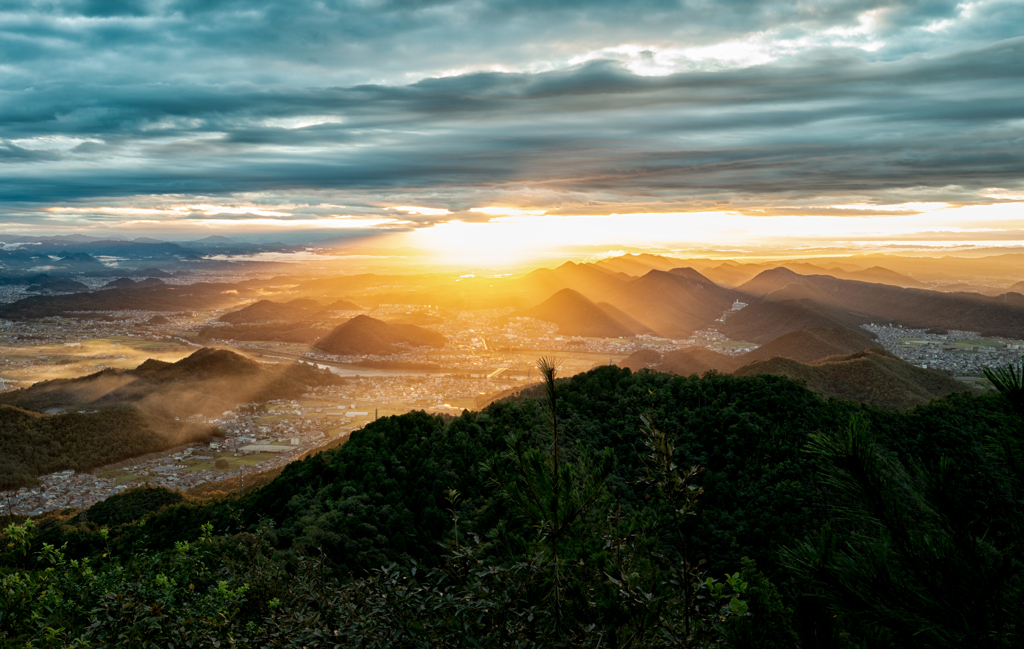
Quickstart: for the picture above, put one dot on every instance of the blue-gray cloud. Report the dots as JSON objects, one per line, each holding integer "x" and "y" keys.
{"x": 335, "y": 102}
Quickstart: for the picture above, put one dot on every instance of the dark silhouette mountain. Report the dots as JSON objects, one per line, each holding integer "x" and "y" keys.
{"x": 673, "y": 303}
{"x": 338, "y": 305}
{"x": 575, "y": 315}
{"x": 855, "y": 302}
{"x": 209, "y": 381}
{"x": 872, "y": 376}
{"x": 57, "y": 285}
{"x": 150, "y": 281}
{"x": 302, "y": 332}
{"x": 157, "y": 320}
{"x": 121, "y": 282}
{"x": 812, "y": 345}
{"x": 269, "y": 311}
{"x": 364, "y": 335}
{"x": 167, "y": 297}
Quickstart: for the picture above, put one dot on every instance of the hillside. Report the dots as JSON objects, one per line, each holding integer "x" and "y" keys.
{"x": 364, "y": 335}
{"x": 805, "y": 346}
{"x": 414, "y": 488}
{"x": 872, "y": 376}
{"x": 855, "y": 302}
{"x": 57, "y": 285}
{"x": 289, "y": 332}
{"x": 32, "y": 444}
{"x": 269, "y": 311}
{"x": 812, "y": 345}
{"x": 684, "y": 362}
{"x": 208, "y": 382}
{"x": 768, "y": 319}
{"x": 166, "y": 297}
{"x": 673, "y": 303}
{"x": 575, "y": 315}
{"x": 589, "y": 280}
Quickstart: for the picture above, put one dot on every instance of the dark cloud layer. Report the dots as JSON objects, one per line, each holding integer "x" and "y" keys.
{"x": 340, "y": 102}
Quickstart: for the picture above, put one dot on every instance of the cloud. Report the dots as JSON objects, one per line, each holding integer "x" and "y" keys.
{"x": 602, "y": 107}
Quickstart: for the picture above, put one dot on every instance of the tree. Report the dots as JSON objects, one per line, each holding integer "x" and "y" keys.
{"x": 904, "y": 560}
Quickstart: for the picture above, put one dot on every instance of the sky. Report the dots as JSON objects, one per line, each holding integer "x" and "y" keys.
{"x": 501, "y": 126}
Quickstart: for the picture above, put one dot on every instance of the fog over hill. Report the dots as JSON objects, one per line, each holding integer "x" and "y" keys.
{"x": 590, "y": 280}
{"x": 673, "y": 303}
{"x": 209, "y": 381}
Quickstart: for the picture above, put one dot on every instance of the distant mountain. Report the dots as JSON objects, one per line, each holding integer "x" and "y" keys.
{"x": 167, "y": 297}
{"x": 854, "y": 302}
{"x": 812, "y": 345}
{"x": 640, "y": 265}
{"x": 269, "y": 311}
{"x": 301, "y": 332}
{"x": 805, "y": 346}
{"x": 209, "y": 381}
{"x": 365, "y": 335}
{"x": 879, "y": 275}
{"x": 1016, "y": 288}
{"x": 733, "y": 274}
{"x": 591, "y": 281}
{"x": 575, "y": 315}
{"x": 152, "y": 272}
{"x": 150, "y": 281}
{"x": 215, "y": 238}
{"x": 768, "y": 319}
{"x": 673, "y": 303}
{"x": 873, "y": 376}
{"x": 57, "y": 286}
{"x": 121, "y": 282}
{"x": 79, "y": 259}
{"x": 341, "y": 305}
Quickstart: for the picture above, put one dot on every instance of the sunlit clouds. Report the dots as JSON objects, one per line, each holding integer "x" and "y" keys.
{"x": 510, "y": 127}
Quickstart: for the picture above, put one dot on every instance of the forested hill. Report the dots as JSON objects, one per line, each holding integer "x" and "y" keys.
{"x": 208, "y": 381}
{"x": 32, "y": 444}
{"x": 406, "y": 488}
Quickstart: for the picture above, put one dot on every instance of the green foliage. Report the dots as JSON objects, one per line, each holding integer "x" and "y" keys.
{"x": 906, "y": 559}
{"x": 32, "y": 444}
{"x": 131, "y": 505}
{"x": 616, "y": 510}
{"x": 1008, "y": 380}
